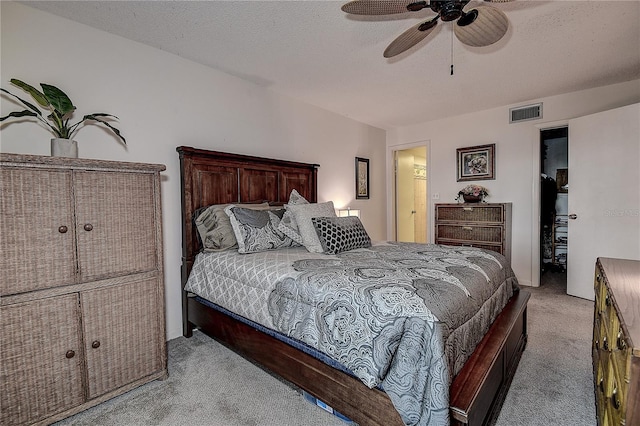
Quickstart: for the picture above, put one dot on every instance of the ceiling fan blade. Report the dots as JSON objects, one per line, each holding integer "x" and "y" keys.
{"x": 383, "y": 7}
{"x": 481, "y": 26}
{"x": 410, "y": 38}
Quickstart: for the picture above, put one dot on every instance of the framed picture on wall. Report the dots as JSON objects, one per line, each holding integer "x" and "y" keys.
{"x": 362, "y": 178}
{"x": 476, "y": 162}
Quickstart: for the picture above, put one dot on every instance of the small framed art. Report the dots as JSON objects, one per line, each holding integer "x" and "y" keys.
{"x": 362, "y": 178}
{"x": 476, "y": 162}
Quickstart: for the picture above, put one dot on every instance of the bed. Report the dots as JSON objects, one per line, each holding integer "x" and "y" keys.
{"x": 208, "y": 177}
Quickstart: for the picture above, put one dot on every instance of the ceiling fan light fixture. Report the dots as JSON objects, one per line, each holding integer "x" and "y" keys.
{"x": 489, "y": 26}
{"x": 479, "y": 27}
{"x": 449, "y": 11}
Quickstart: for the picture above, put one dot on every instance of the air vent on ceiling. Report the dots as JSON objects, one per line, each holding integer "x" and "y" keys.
{"x": 524, "y": 113}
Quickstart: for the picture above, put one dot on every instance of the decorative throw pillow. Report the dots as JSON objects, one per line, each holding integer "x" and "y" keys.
{"x": 338, "y": 234}
{"x": 214, "y": 227}
{"x": 257, "y": 230}
{"x": 302, "y": 214}
{"x": 288, "y": 225}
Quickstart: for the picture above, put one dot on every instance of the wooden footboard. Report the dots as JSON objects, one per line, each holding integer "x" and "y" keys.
{"x": 476, "y": 393}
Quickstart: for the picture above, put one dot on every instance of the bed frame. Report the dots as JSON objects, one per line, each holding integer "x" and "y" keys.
{"x": 210, "y": 177}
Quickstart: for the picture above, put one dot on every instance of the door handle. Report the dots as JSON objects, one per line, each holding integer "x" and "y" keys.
{"x": 573, "y": 216}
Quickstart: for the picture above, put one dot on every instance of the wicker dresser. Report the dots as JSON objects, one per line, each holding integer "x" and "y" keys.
{"x": 481, "y": 225}
{"x": 82, "y": 292}
{"x": 616, "y": 336}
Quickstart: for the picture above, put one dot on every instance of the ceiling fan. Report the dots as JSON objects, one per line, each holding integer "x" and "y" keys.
{"x": 480, "y": 26}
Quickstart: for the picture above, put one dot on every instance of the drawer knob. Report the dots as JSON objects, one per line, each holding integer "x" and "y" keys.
{"x": 467, "y": 228}
{"x": 601, "y": 385}
{"x": 622, "y": 344}
{"x": 95, "y": 344}
{"x": 63, "y": 229}
{"x": 615, "y": 400}
{"x": 88, "y": 227}
{"x": 605, "y": 343}
{"x": 70, "y": 354}
{"x": 596, "y": 343}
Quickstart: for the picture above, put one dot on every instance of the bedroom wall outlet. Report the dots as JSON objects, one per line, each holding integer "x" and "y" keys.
{"x": 436, "y": 196}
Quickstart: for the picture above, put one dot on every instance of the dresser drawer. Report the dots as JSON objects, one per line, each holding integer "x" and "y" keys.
{"x": 486, "y": 234}
{"x": 480, "y": 213}
{"x": 497, "y": 247}
{"x": 600, "y": 383}
{"x": 599, "y": 333}
{"x": 600, "y": 291}
{"x": 616, "y": 403}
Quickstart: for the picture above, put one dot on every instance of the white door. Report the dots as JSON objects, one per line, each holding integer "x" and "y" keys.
{"x": 604, "y": 193}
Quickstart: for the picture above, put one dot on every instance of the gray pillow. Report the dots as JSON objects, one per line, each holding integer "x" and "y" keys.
{"x": 214, "y": 226}
{"x": 288, "y": 224}
{"x": 302, "y": 214}
{"x": 257, "y": 230}
{"x": 338, "y": 234}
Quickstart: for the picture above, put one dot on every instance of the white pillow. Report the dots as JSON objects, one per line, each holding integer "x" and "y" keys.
{"x": 302, "y": 214}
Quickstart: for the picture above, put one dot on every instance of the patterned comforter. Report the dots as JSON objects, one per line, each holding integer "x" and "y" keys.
{"x": 401, "y": 316}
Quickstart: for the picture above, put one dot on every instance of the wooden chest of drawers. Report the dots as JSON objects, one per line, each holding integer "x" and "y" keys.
{"x": 481, "y": 225}
{"x": 616, "y": 335}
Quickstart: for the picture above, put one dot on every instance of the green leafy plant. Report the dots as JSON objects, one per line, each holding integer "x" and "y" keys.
{"x": 60, "y": 109}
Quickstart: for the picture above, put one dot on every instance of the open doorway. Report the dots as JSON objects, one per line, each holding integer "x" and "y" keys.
{"x": 411, "y": 194}
{"x": 554, "y": 192}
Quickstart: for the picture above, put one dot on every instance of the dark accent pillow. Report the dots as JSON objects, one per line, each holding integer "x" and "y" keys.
{"x": 214, "y": 227}
{"x": 338, "y": 234}
{"x": 257, "y": 230}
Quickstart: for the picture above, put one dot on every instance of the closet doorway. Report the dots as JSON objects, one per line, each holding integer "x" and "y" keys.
{"x": 554, "y": 192}
{"x": 411, "y": 194}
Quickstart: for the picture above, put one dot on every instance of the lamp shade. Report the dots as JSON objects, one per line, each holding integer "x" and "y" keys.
{"x": 348, "y": 212}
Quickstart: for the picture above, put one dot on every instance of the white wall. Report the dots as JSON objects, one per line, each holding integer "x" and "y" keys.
{"x": 164, "y": 101}
{"x": 517, "y": 157}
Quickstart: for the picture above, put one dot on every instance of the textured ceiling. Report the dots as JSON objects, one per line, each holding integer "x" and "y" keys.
{"x": 312, "y": 51}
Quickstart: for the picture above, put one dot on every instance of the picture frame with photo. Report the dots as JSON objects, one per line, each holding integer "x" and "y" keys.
{"x": 362, "y": 178}
{"x": 476, "y": 162}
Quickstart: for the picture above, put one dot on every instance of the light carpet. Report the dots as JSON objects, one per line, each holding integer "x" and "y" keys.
{"x": 210, "y": 385}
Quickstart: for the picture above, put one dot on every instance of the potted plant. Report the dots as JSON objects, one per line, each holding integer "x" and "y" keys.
{"x": 60, "y": 109}
{"x": 472, "y": 194}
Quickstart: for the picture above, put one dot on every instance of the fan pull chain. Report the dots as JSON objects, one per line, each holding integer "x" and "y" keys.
{"x": 452, "y": 52}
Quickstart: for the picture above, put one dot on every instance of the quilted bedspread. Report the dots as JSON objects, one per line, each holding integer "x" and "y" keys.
{"x": 401, "y": 316}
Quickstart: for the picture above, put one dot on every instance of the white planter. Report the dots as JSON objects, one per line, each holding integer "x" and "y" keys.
{"x": 64, "y": 148}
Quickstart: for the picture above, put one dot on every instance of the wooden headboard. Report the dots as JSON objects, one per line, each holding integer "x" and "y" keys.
{"x": 210, "y": 177}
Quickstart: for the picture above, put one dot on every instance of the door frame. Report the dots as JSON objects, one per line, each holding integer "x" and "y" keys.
{"x": 391, "y": 190}
{"x": 535, "y": 202}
